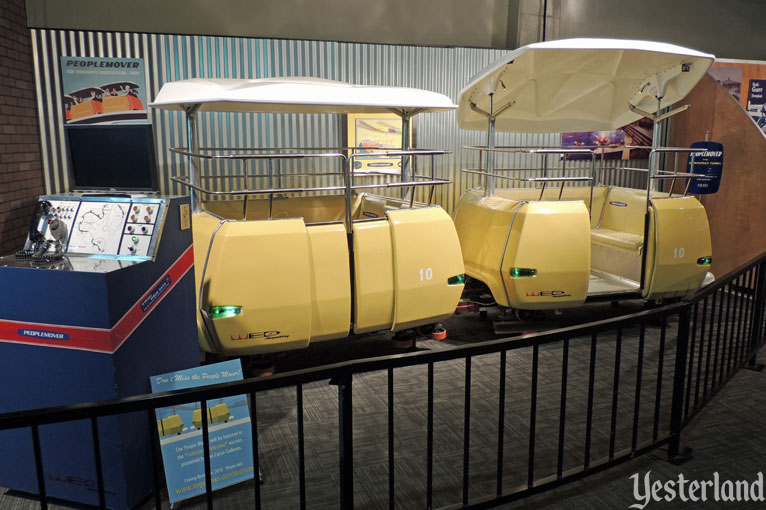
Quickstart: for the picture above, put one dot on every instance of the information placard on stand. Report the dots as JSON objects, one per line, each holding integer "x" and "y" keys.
{"x": 179, "y": 427}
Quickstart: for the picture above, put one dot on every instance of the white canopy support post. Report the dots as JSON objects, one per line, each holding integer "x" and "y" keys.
{"x": 406, "y": 115}
{"x": 491, "y": 115}
{"x": 655, "y": 162}
{"x": 405, "y": 170}
{"x": 192, "y": 144}
{"x": 489, "y": 189}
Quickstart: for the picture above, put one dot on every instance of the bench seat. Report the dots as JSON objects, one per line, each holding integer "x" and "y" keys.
{"x": 617, "y": 239}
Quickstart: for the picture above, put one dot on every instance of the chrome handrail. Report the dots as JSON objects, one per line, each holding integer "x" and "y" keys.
{"x": 544, "y": 152}
{"x": 281, "y": 154}
{"x": 184, "y": 181}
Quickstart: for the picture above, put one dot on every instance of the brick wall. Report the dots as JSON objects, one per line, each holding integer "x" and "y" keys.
{"x": 21, "y": 176}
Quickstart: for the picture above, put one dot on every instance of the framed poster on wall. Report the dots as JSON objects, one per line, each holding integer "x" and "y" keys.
{"x": 745, "y": 81}
{"x": 101, "y": 90}
{"x": 374, "y": 133}
{"x": 614, "y": 143}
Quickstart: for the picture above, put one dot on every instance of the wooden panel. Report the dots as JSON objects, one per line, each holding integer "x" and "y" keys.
{"x": 737, "y": 211}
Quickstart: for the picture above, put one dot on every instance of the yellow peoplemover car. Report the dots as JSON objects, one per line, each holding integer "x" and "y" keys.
{"x": 557, "y": 239}
{"x": 278, "y": 266}
{"x": 170, "y": 426}
{"x": 218, "y": 413}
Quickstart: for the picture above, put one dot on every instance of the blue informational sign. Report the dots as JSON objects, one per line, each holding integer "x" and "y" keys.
{"x": 179, "y": 427}
{"x": 709, "y": 164}
{"x": 756, "y": 102}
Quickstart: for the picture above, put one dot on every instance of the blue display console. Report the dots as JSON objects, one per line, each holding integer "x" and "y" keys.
{"x": 94, "y": 324}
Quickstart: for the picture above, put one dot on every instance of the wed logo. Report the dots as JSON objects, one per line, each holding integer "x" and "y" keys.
{"x": 647, "y": 490}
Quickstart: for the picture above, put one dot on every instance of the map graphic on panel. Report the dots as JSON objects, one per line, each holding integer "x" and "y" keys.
{"x": 98, "y": 228}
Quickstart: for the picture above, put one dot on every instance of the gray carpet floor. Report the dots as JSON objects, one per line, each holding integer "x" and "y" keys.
{"x": 726, "y": 436}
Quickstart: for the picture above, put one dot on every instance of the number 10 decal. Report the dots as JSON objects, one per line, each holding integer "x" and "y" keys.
{"x": 678, "y": 253}
{"x": 428, "y": 274}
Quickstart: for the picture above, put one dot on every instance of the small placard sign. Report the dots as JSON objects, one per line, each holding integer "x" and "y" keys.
{"x": 180, "y": 432}
{"x": 709, "y": 164}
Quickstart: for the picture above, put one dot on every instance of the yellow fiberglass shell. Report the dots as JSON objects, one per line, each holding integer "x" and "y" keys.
{"x": 373, "y": 276}
{"x": 330, "y": 281}
{"x": 219, "y": 413}
{"x": 482, "y": 225}
{"x": 264, "y": 267}
{"x": 499, "y": 234}
{"x": 553, "y": 238}
{"x": 291, "y": 281}
{"x": 426, "y": 255}
{"x": 679, "y": 237}
{"x": 170, "y": 426}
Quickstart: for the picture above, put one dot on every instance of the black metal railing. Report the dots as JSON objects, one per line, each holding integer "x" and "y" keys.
{"x": 538, "y": 411}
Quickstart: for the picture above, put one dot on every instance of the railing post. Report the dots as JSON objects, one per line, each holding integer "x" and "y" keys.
{"x": 757, "y": 318}
{"x": 677, "y": 406}
{"x": 345, "y": 439}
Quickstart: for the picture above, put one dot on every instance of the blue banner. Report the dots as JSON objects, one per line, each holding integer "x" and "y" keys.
{"x": 179, "y": 428}
{"x": 708, "y": 163}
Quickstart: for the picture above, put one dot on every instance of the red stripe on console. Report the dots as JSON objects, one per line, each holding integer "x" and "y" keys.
{"x": 87, "y": 339}
{"x": 136, "y": 315}
{"x": 99, "y": 339}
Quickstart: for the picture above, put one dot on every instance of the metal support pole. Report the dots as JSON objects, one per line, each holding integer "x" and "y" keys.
{"x": 679, "y": 375}
{"x": 405, "y": 172}
{"x": 654, "y": 164}
{"x": 270, "y": 183}
{"x": 348, "y": 167}
{"x": 653, "y": 167}
{"x": 192, "y": 144}
{"x": 345, "y": 440}
{"x": 489, "y": 189}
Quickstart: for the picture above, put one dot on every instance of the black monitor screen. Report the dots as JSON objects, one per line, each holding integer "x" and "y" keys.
{"x": 115, "y": 157}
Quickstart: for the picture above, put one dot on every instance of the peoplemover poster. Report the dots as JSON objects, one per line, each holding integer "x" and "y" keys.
{"x": 101, "y": 90}
{"x": 179, "y": 428}
{"x": 371, "y": 134}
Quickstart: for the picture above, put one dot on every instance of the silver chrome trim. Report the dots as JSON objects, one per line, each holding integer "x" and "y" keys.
{"x": 208, "y": 330}
{"x": 505, "y": 247}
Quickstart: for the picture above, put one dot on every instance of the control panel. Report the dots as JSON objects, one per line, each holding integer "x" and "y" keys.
{"x": 121, "y": 227}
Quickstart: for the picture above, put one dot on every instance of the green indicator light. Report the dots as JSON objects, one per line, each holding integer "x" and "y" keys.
{"x": 134, "y": 239}
{"x": 223, "y": 312}
{"x": 521, "y": 272}
{"x": 705, "y": 261}
{"x": 456, "y": 280}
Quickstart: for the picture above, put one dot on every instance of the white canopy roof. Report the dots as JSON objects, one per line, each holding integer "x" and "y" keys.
{"x": 295, "y": 95}
{"x": 580, "y": 84}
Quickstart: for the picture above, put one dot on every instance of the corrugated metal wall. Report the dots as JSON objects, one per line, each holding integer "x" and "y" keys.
{"x": 175, "y": 57}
